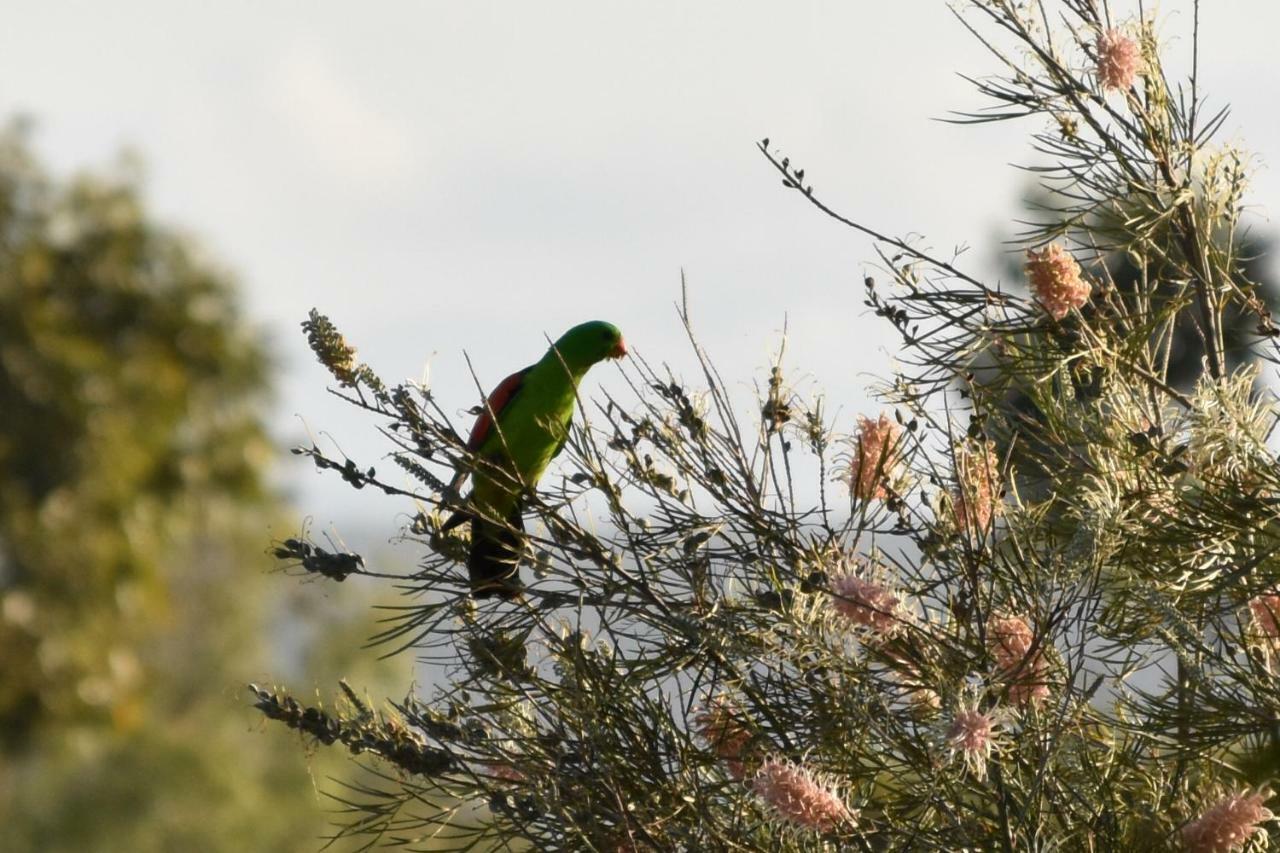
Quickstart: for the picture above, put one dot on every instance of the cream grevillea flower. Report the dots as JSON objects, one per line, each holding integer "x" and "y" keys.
{"x": 800, "y": 796}
{"x": 876, "y": 457}
{"x": 1229, "y": 823}
{"x": 922, "y": 699}
{"x": 1119, "y": 59}
{"x": 976, "y": 499}
{"x": 1056, "y": 280}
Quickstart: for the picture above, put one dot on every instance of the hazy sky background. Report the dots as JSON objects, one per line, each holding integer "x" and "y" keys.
{"x": 449, "y": 176}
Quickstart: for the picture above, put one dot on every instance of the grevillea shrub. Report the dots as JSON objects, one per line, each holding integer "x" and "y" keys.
{"x": 954, "y": 623}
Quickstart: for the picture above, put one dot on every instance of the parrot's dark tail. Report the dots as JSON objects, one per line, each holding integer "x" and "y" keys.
{"x": 494, "y": 561}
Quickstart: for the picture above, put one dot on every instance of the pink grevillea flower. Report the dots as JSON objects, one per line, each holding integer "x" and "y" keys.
{"x": 1056, "y": 281}
{"x": 722, "y": 729}
{"x": 877, "y": 457}
{"x": 798, "y": 795}
{"x": 1265, "y": 610}
{"x": 1229, "y": 823}
{"x": 972, "y": 736}
{"x": 1119, "y": 60}
{"x": 1011, "y": 639}
{"x": 866, "y": 603}
{"x": 1264, "y": 626}
{"x": 506, "y": 772}
{"x": 976, "y": 498}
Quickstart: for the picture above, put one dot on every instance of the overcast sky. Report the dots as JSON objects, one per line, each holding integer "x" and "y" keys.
{"x": 478, "y": 175}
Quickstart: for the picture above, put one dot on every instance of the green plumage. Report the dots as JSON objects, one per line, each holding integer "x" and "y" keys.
{"x": 525, "y": 426}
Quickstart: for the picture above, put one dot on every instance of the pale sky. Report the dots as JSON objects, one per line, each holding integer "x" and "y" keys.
{"x": 480, "y": 175}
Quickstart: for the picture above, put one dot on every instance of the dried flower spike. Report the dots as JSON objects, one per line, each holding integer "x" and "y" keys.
{"x": 1228, "y": 824}
{"x": 1119, "y": 60}
{"x": 877, "y": 457}
{"x": 331, "y": 348}
{"x": 799, "y": 796}
{"x": 1056, "y": 281}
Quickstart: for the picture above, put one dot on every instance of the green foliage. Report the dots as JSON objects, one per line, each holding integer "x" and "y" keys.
{"x": 129, "y": 384}
{"x": 133, "y": 594}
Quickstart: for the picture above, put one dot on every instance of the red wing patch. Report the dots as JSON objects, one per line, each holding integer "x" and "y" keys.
{"x": 498, "y": 400}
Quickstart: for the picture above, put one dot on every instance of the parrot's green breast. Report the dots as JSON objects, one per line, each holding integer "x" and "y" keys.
{"x": 530, "y": 433}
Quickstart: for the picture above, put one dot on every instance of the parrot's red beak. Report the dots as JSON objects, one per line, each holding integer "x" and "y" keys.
{"x": 619, "y": 349}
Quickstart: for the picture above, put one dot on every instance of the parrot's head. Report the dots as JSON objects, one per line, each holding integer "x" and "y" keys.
{"x": 588, "y": 343}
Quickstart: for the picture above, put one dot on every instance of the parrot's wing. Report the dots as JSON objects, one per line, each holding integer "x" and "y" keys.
{"x": 564, "y": 439}
{"x": 498, "y": 401}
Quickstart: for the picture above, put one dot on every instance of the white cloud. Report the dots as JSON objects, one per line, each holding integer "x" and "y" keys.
{"x": 335, "y": 125}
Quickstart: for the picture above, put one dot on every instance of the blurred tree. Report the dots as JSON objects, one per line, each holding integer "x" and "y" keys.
{"x": 132, "y": 497}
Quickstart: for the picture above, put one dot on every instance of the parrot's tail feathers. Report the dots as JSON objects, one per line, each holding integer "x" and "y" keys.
{"x": 494, "y": 562}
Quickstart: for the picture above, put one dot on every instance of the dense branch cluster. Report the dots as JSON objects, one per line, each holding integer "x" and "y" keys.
{"x": 1031, "y": 603}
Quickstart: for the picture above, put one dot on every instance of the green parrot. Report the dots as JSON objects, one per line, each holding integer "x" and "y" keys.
{"x": 532, "y": 409}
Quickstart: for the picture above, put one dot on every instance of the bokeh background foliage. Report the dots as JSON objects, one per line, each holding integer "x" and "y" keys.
{"x": 135, "y": 504}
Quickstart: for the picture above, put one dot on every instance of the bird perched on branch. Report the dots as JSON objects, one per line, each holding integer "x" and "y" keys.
{"x": 523, "y": 426}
